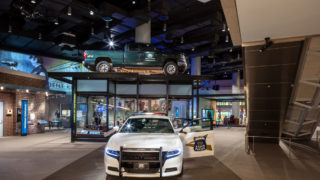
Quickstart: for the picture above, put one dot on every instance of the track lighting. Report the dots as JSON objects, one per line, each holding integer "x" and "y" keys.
{"x": 56, "y": 22}
{"x": 192, "y": 49}
{"x": 182, "y": 40}
{"x": 69, "y": 11}
{"x": 164, "y": 27}
{"x": 92, "y": 30}
{"x": 91, "y": 12}
{"x": 10, "y": 29}
{"x": 227, "y": 38}
{"x": 33, "y": 1}
{"x": 230, "y": 50}
{"x": 133, "y": 2}
{"x": 40, "y": 36}
{"x": 238, "y": 57}
{"x": 224, "y": 27}
{"x": 107, "y": 24}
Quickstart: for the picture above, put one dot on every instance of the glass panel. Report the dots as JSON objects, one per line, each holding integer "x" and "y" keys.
{"x": 92, "y": 85}
{"x": 125, "y": 107}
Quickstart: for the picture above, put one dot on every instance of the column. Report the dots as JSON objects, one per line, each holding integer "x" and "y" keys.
{"x": 195, "y": 70}
{"x": 236, "y": 90}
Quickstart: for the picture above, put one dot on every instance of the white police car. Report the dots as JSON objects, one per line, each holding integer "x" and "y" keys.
{"x": 149, "y": 146}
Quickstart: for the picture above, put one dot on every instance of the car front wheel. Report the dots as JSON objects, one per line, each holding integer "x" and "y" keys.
{"x": 170, "y": 68}
{"x": 103, "y": 66}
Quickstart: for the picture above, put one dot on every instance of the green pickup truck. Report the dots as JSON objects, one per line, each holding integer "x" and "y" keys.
{"x": 135, "y": 56}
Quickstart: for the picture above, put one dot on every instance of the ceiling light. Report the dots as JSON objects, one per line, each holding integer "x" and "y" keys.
{"x": 224, "y": 27}
{"x": 192, "y": 49}
{"x": 182, "y": 40}
{"x": 47, "y": 93}
{"x": 69, "y": 11}
{"x": 227, "y": 38}
{"x": 91, "y": 12}
{"x": 111, "y": 43}
{"x": 107, "y": 24}
{"x": 238, "y": 57}
{"x": 40, "y": 36}
{"x": 27, "y": 90}
{"x": 56, "y": 22}
{"x": 10, "y": 29}
{"x": 133, "y": 2}
{"x": 33, "y": 1}
{"x": 92, "y": 30}
{"x": 1, "y": 87}
{"x": 230, "y": 50}
{"x": 164, "y": 27}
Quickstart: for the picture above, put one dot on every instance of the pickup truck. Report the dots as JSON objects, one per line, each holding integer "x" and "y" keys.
{"x": 135, "y": 56}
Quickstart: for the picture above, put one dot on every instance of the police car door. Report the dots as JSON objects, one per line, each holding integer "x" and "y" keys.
{"x": 196, "y": 137}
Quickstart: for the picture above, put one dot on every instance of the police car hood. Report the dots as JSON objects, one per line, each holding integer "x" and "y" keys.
{"x": 168, "y": 141}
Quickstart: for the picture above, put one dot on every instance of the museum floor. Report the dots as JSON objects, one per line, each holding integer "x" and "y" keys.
{"x": 51, "y": 156}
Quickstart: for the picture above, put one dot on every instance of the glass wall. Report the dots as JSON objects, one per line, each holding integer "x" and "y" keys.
{"x": 125, "y": 107}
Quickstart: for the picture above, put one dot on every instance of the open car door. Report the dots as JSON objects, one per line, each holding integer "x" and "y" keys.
{"x": 196, "y": 136}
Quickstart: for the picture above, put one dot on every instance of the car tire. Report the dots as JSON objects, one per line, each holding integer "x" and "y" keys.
{"x": 170, "y": 68}
{"x": 103, "y": 66}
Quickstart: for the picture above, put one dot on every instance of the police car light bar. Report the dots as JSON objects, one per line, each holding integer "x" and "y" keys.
{"x": 149, "y": 113}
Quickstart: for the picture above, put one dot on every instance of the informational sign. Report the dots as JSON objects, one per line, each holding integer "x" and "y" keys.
{"x": 9, "y": 112}
{"x": 24, "y": 118}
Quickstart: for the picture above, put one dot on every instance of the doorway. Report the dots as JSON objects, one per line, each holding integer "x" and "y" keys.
{"x": 1, "y": 117}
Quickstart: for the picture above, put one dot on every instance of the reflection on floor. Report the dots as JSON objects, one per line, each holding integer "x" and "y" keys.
{"x": 51, "y": 156}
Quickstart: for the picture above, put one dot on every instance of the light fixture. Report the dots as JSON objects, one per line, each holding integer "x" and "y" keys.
{"x": 10, "y": 29}
{"x": 164, "y": 27}
{"x": 1, "y": 87}
{"x": 230, "y": 50}
{"x": 133, "y": 2}
{"x": 182, "y": 40}
{"x": 224, "y": 27}
{"x": 69, "y": 11}
{"x": 227, "y": 38}
{"x": 192, "y": 49}
{"x": 111, "y": 43}
{"x": 92, "y": 30}
{"x": 56, "y": 22}
{"x": 40, "y": 36}
{"x": 238, "y": 57}
{"x": 91, "y": 12}
{"x": 33, "y": 1}
{"x": 27, "y": 90}
{"x": 107, "y": 24}
{"x": 47, "y": 93}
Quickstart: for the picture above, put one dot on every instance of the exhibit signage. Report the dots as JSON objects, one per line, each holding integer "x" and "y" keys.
{"x": 24, "y": 118}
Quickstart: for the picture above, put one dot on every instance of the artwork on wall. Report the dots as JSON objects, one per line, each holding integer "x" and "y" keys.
{"x": 143, "y": 105}
{"x": 158, "y": 105}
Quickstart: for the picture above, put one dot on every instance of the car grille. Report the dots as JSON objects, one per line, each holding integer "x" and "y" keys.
{"x": 140, "y": 156}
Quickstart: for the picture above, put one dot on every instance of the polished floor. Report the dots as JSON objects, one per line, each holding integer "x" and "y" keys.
{"x": 52, "y": 156}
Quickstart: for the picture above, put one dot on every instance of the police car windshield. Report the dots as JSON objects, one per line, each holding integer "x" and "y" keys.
{"x": 147, "y": 125}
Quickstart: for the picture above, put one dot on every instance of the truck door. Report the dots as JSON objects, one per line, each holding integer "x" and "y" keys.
{"x": 196, "y": 136}
{"x": 132, "y": 55}
{"x": 150, "y": 56}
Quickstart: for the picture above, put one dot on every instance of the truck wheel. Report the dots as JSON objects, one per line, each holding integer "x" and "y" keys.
{"x": 170, "y": 68}
{"x": 103, "y": 66}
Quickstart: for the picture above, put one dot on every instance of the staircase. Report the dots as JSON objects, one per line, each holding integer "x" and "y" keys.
{"x": 303, "y": 113}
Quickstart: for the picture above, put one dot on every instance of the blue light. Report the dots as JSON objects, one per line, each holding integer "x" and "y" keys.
{"x": 174, "y": 153}
{"x": 112, "y": 153}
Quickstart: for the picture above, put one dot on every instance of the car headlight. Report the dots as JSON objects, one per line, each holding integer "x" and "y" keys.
{"x": 112, "y": 153}
{"x": 174, "y": 153}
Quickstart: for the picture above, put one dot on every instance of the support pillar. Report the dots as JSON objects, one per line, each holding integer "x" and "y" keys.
{"x": 196, "y": 70}
{"x": 236, "y": 90}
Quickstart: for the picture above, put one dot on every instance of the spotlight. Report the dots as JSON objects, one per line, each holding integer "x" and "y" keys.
{"x": 182, "y": 40}
{"x": 164, "y": 27}
{"x": 133, "y": 2}
{"x": 111, "y": 43}
{"x": 1, "y": 87}
{"x": 92, "y": 31}
{"x": 227, "y": 38}
{"x": 224, "y": 28}
{"x": 40, "y": 36}
{"x": 10, "y": 29}
{"x": 192, "y": 49}
{"x": 91, "y": 12}
{"x": 238, "y": 57}
{"x": 33, "y": 1}
{"x": 230, "y": 50}
{"x": 56, "y": 22}
{"x": 107, "y": 24}
{"x": 27, "y": 90}
{"x": 69, "y": 11}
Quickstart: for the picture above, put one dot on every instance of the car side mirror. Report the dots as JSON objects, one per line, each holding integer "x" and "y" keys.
{"x": 116, "y": 128}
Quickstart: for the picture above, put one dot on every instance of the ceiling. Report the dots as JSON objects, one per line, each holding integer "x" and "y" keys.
{"x": 277, "y": 19}
{"x": 64, "y": 28}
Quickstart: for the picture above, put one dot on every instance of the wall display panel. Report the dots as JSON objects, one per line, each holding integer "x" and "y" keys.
{"x": 92, "y": 85}
{"x": 152, "y": 89}
{"x": 158, "y": 105}
{"x": 180, "y": 89}
{"x": 128, "y": 89}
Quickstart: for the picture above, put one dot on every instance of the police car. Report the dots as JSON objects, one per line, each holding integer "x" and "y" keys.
{"x": 148, "y": 145}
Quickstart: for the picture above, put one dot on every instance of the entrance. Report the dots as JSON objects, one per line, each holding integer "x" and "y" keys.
{"x": 1, "y": 117}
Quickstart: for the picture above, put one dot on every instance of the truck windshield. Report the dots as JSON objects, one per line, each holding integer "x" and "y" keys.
{"x": 147, "y": 125}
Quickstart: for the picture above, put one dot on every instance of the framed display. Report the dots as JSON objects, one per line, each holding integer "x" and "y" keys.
{"x": 143, "y": 105}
